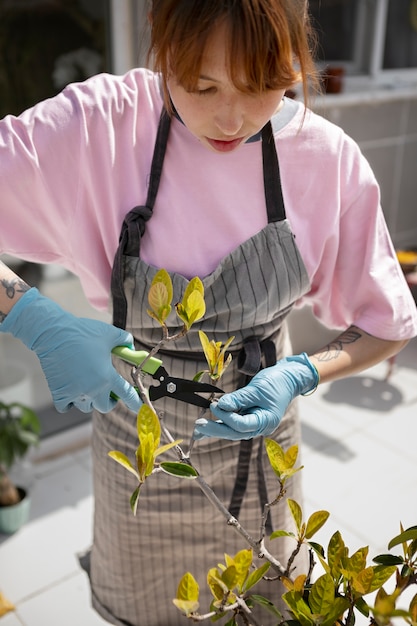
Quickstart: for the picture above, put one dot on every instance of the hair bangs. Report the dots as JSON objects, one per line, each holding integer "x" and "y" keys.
{"x": 261, "y": 57}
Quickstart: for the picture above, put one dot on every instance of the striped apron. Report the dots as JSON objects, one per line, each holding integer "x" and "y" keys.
{"x": 136, "y": 562}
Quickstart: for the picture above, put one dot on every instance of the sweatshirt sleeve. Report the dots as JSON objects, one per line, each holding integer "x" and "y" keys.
{"x": 344, "y": 241}
{"x": 39, "y": 177}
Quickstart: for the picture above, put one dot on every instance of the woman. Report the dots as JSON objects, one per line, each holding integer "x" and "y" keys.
{"x": 268, "y": 203}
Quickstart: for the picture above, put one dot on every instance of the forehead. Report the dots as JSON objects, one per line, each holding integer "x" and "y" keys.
{"x": 216, "y": 54}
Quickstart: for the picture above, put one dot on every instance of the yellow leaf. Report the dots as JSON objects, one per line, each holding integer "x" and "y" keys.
{"x": 230, "y": 577}
{"x": 5, "y": 605}
{"x": 217, "y": 586}
{"x": 291, "y": 456}
{"x": 195, "y": 284}
{"x": 195, "y": 307}
{"x": 296, "y": 512}
{"x": 299, "y": 583}
{"x": 192, "y": 307}
{"x": 315, "y": 522}
{"x": 186, "y": 606}
{"x": 413, "y": 609}
{"x": 123, "y": 460}
{"x": 207, "y": 346}
{"x": 275, "y": 455}
{"x": 243, "y": 562}
{"x": 160, "y": 296}
{"x": 163, "y": 277}
{"x": 145, "y": 455}
{"x": 168, "y": 446}
{"x": 148, "y": 422}
{"x": 188, "y": 588}
{"x": 157, "y": 298}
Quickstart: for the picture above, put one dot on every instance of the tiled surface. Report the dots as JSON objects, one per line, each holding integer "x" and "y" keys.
{"x": 359, "y": 453}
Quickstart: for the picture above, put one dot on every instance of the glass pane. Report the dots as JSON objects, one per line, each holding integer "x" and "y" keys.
{"x": 335, "y": 22}
{"x": 401, "y": 35}
{"x": 45, "y": 44}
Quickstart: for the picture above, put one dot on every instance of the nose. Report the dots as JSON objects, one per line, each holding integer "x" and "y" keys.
{"x": 229, "y": 116}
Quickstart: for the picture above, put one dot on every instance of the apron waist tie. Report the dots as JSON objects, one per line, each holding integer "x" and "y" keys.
{"x": 254, "y": 356}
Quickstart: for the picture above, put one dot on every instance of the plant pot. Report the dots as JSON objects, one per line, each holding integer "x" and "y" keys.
{"x": 15, "y": 516}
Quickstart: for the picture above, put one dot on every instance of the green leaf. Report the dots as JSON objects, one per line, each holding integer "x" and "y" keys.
{"x": 362, "y": 607}
{"x": 382, "y": 573}
{"x": 357, "y": 562}
{"x": 322, "y": 595}
{"x": 335, "y": 552}
{"x": 267, "y": 604}
{"x": 181, "y": 470}
{"x": 28, "y": 418}
{"x": 407, "y": 535}
{"x": 124, "y": 461}
{"x": 299, "y": 608}
{"x": 388, "y": 559}
{"x": 256, "y": 576}
{"x": 315, "y": 522}
{"x": 281, "y": 533}
{"x": 339, "y": 606}
{"x": 319, "y": 550}
{"x": 134, "y": 499}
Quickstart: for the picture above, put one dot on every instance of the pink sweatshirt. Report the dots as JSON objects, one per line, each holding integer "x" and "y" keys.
{"x": 73, "y": 166}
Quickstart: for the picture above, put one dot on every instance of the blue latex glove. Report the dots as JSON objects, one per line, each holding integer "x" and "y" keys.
{"x": 258, "y": 408}
{"x": 74, "y": 353}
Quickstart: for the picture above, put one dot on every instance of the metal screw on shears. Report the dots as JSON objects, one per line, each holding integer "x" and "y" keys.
{"x": 171, "y": 387}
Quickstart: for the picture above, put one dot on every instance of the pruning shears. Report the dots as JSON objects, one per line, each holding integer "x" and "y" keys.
{"x": 178, "y": 388}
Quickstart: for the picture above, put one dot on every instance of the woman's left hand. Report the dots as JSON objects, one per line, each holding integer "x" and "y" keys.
{"x": 258, "y": 408}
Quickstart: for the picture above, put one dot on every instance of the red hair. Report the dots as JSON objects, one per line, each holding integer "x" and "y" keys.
{"x": 270, "y": 41}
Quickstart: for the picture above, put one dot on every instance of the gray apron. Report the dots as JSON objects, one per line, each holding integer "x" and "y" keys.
{"x": 137, "y": 562}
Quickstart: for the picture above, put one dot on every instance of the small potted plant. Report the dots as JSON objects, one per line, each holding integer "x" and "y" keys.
{"x": 19, "y": 431}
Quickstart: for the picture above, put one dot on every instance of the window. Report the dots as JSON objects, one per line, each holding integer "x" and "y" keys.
{"x": 366, "y": 37}
{"x": 45, "y": 44}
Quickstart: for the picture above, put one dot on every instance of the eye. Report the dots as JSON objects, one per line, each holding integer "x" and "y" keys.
{"x": 205, "y": 92}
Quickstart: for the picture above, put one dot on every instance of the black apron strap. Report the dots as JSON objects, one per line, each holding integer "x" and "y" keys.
{"x": 272, "y": 179}
{"x": 134, "y": 223}
{"x": 253, "y": 357}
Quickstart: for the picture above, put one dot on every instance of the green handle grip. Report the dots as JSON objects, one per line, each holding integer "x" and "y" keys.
{"x": 137, "y": 357}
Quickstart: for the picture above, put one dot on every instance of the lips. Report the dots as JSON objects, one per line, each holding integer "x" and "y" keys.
{"x": 225, "y": 146}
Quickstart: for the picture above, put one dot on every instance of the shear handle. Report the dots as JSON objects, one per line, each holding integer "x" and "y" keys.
{"x": 137, "y": 357}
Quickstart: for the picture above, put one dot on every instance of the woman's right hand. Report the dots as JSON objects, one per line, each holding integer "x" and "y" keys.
{"x": 74, "y": 353}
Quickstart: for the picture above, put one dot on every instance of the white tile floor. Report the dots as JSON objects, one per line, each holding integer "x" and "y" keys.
{"x": 359, "y": 453}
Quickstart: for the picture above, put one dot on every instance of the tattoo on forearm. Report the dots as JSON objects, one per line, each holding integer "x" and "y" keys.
{"x": 335, "y": 347}
{"x": 14, "y": 286}
{"x": 11, "y": 288}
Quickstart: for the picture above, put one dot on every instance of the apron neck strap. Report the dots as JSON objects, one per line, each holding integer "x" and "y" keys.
{"x": 158, "y": 157}
{"x": 272, "y": 179}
